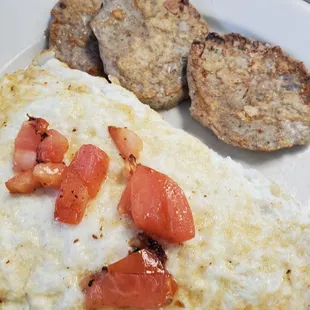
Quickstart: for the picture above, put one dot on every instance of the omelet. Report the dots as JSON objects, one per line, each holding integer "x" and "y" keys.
{"x": 251, "y": 249}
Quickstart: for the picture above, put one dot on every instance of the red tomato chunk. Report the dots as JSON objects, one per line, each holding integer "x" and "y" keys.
{"x": 71, "y": 201}
{"x": 139, "y": 281}
{"x": 91, "y": 164}
{"x": 82, "y": 180}
{"x": 158, "y": 206}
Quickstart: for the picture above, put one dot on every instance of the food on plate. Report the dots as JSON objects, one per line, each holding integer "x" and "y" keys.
{"x": 91, "y": 164}
{"x": 26, "y": 144}
{"x": 251, "y": 244}
{"x": 145, "y": 45}
{"x": 52, "y": 148}
{"x": 72, "y": 200}
{"x": 40, "y": 125}
{"x": 250, "y": 94}
{"x": 50, "y": 174}
{"x": 70, "y": 35}
{"x": 126, "y": 141}
{"x": 23, "y": 183}
{"x": 130, "y": 146}
{"x": 36, "y": 143}
{"x": 78, "y": 182}
{"x": 130, "y": 166}
{"x": 138, "y": 280}
{"x": 82, "y": 180}
{"x": 156, "y": 203}
{"x": 47, "y": 175}
{"x": 158, "y": 206}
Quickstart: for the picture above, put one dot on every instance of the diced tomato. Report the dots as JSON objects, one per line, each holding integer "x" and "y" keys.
{"x": 158, "y": 206}
{"x": 138, "y": 281}
{"x": 81, "y": 180}
{"x": 50, "y": 174}
{"x": 26, "y": 144}
{"x": 91, "y": 164}
{"x": 53, "y": 148}
{"x": 126, "y": 141}
{"x": 23, "y": 183}
{"x": 72, "y": 200}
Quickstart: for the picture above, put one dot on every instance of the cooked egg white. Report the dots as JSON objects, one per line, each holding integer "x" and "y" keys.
{"x": 251, "y": 249}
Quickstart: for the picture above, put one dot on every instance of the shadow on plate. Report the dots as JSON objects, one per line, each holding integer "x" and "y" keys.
{"x": 206, "y": 136}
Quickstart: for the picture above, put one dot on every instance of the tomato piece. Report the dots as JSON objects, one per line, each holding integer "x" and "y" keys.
{"x": 91, "y": 164}
{"x": 26, "y": 144}
{"x": 53, "y": 148}
{"x": 158, "y": 206}
{"x": 126, "y": 141}
{"x": 23, "y": 183}
{"x": 72, "y": 200}
{"x": 81, "y": 180}
{"x": 50, "y": 174}
{"x": 139, "y": 281}
{"x": 130, "y": 290}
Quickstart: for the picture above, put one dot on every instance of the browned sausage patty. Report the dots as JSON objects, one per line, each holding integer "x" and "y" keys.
{"x": 145, "y": 44}
{"x": 250, "y": 94}
{"x": 71, "y": 36}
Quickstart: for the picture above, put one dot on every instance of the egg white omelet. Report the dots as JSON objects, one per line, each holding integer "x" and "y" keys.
{"x": 251, "y": 249}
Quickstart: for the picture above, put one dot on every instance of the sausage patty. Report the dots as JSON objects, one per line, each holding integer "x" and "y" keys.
{"x": 71, "y": 37}
{"x": 145, "y": 44}
{"x": 249, "y": 93}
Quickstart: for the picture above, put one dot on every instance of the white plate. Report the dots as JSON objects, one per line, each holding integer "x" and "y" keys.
{"x": 282, "y": 22}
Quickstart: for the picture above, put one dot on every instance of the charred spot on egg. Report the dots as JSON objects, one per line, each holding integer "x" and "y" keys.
{"x": 143, "y": 241}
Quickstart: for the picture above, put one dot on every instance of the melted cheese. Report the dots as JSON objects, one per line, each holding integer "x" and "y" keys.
{"x": 251, "y": 249}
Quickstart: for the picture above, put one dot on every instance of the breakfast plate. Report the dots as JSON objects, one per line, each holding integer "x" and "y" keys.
{"x": 280, "y": 22}
{"x": 104, "y": 201}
